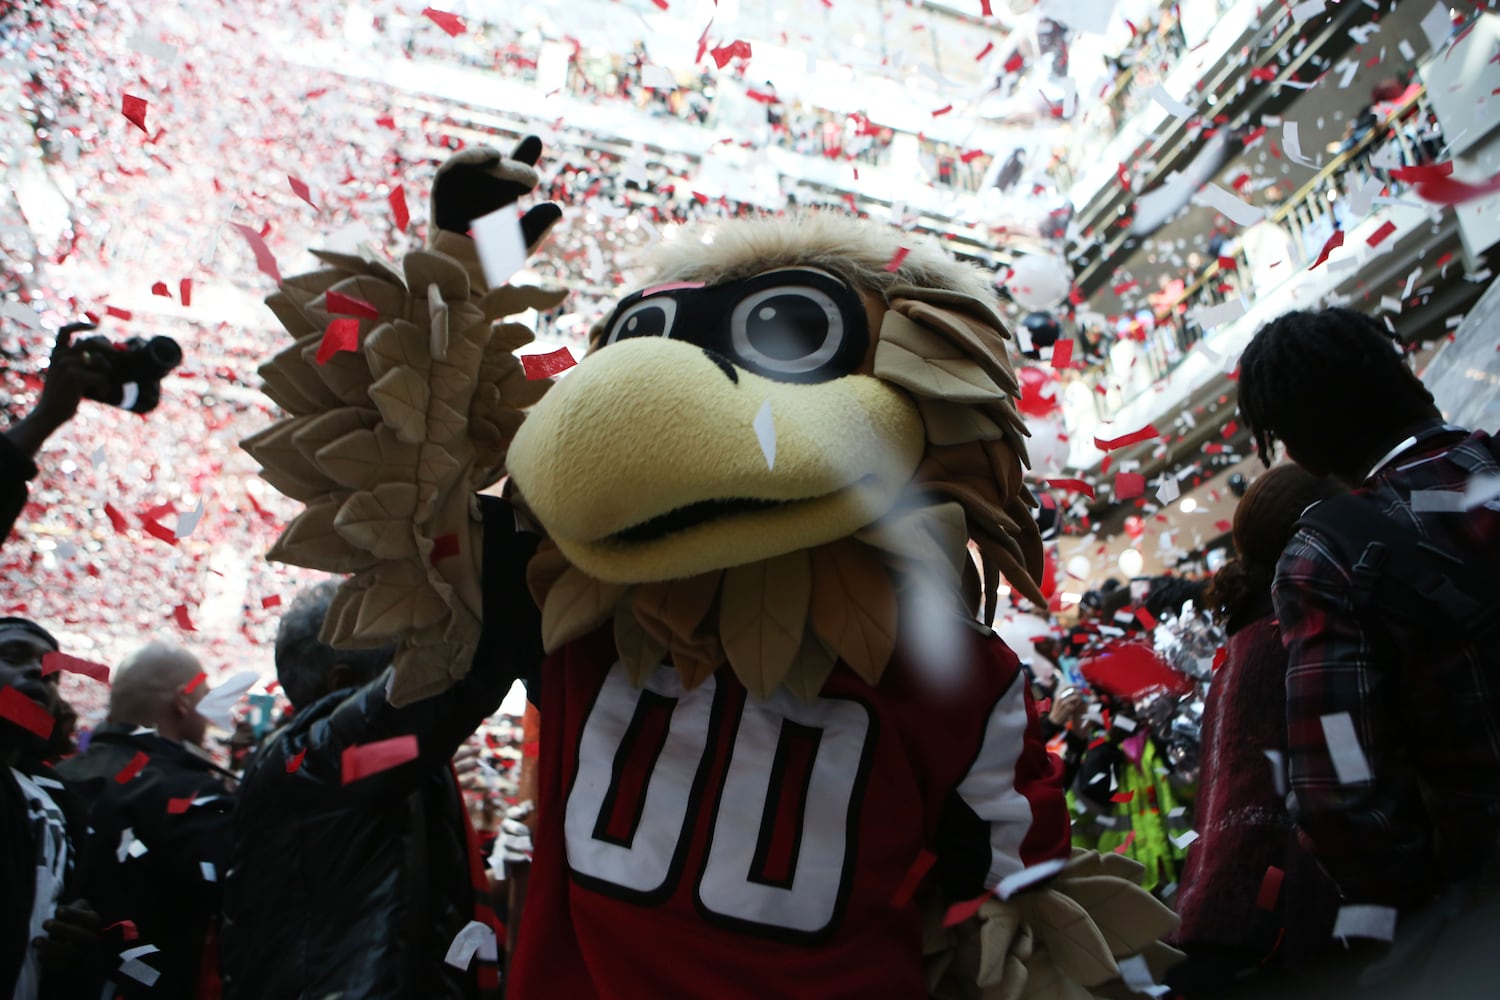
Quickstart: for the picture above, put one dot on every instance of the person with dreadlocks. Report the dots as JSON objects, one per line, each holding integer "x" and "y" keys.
{"x": 1387, "y": 601}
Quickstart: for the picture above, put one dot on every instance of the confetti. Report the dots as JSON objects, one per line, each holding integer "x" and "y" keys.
{"x": 942, "y": 111}
{"x": 1450, "y": 191}
{"x": 1062, "y": 354}
{"x": 218, "y": 705}
{"x": 959, "y": 912}
{"x": 1348, "y": 759}
{"x": 132, "y": 966}
{"x": 1076, "y": 485}
{"x": 894, "y": 264}
{"x": 160, "y": 288}
{"x": 397, "y": 199}
{"x": 130, "y": 770}
{"x": 195, "y": 683}
{"x": 451, "y": 23}
{"x": 1129, "y": 485}
{"x": 264, "y": 260}
{"x": 501, "y": 244}
{"x": 1222, "y": 314}
{"x": 1270, "y": 888}
{"x": 295, "y": 761}
{"x": 1334, "y": 242}
{"x": 273, "y": 601}
{"x": 913, "y": 878}
{"x": 1273, "y": 757}
{"x": 725, "y": 53}
{"x": 1306, "y": 11}
{"x": 1227, "y": 204}
{"x": 180, "y": 616}
{"x": 1437, "y": 26}
{"x": 1144, "y": 434}
{"x": 372, "y": 758}
{"x": 134, "y": 110}
{"x": 176, "y": 807}
{"x": 20, "y": 710}
{"x": 342, "y": 335}
{"x": 475, "y": 938}
{"x": 988, "y": 48}
{"x": 1173, "y": 106}
{"x": 1366, "y": 921}
{"x": 301, "y": 190}
{"x": 1481, "y": 490}
{"x": 1168, "y": 491}
{"x": 185, "y": 291}
{"x": 540, "y": 366}
{"x": 442, "y": 547}
{"x": 1438, "y": 502}
{"x": 1379, "y": 236}
{"x": 765, "y": 432}
{"x": 53, "y": 662}
{"x": 1028, "y": 877}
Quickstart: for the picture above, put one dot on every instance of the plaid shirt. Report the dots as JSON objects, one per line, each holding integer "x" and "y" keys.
{"x": 1425, "y": 710}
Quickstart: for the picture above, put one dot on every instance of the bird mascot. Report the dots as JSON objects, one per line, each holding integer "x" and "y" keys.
{"x": 781, "y": 756}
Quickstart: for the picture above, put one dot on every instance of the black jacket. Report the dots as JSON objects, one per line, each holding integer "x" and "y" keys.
{"x": 359, "y": 889}
{"x": 16, "y": 470}
{"x": 172, "y": 891}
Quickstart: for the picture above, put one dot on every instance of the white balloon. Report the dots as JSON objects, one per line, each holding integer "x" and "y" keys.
{"x": 1047, "y": 447}
{"x": 1039, "y": 281}
{"x": 1131, "y": 562}
{"x": 1079, "y": 567}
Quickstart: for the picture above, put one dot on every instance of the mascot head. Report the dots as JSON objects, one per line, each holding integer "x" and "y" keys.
{"x": 794, "y": 420}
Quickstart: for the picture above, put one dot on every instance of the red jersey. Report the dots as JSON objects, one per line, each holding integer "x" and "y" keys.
{"x": 707, "y": 844}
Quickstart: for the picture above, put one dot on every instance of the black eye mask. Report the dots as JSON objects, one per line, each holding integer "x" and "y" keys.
{"x": 792, "y": 325}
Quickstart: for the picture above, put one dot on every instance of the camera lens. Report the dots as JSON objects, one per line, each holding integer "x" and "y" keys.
{"x": 163, "y": 353}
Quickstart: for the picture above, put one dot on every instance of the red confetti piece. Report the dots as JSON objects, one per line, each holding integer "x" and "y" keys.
{"x": 301, "y": 190}
{"x": 1015, "y": 62}
{"x": 761, "y": 96}
{"x": 54, "y": 661}
{"x": 1222, "y": 525}
{"x": 386, "y": 121}
{"x": 1077, "y": 485}
{"x": 894, "y": 264}
{"x": 136, "y": 766}
{"x": 134, "y": 110}
{"x": 1334, "y": 242}
{"x": 265, "y": 261}
{"x": 1129, "y": 839}
{"x": 160, "y": 288}
{"x": 397, "y": 198}
{"x": 451, "y": 23}
{"x": 1263, "y": 74}
{"x": 116, "y": 518}
{"x": 662, "y": 4}
{"x": 193, "y": 684}
{"x": 988, "y": 48}
{"x": 185, "y": 291}
{"x": 274, "y": 601}
{"x": 1120, "y": 798}
{"x": 158, "y": 530}
{"x": 735, "y": 50}
{"x": 1129, "y": 485}
{"x": 372, "y": 758}
{"x": 176, "y": 807}
{"x": 1424, "y": 172}
{"x": 128, "y": 929}
{"x": 117, "y": 313}
{"x": 984, "y": 8}
{"x": 347, "y": 305}
{"x": 180, "y": 616}
{"x": 1270, "y": 888}
{"x": 540, "y": 366}
{"x": 1447, "y": 191}
{"x": 20, "y": 710}
{"x": 1144, "y": 434}
{"x": 942, "y": 111}
{"x": 442, "y": 547}
{"x": 959, "y": 912}
{"x": 1228, "y": 264}
{"x": 341, "y": 335}
{"x": 1126, "y": 286}
{"x": 913, "y": 878}
{"x": 295, "y": 761}
{"x": 1062, "y": 354}
{"x": 1146, "y": 618}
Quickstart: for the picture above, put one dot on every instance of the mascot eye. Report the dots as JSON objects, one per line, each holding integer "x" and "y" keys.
{"x": 787, "y": 330}
{"x": 651, "y": 318}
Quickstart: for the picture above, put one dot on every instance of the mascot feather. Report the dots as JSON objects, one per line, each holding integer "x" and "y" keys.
{"x": 775, "y": 501}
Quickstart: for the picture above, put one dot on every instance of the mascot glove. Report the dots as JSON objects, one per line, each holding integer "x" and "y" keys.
{"x": 478, "y": 181}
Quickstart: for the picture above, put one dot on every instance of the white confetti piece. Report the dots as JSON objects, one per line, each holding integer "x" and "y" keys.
{"x": 1291, "y": 143}
{"x": 1411, "y": 282}
{"x": 658, "y": 78}
{"x": 1365, "y": 921}
{"x": 1168, "y": 491}
{"x": 1183, "y": 841}
{"x": 1016, "y": 881}
{"x": 501, "y": 246}
{"x": 1407, "y": 52}
{"x": 1389, "y": 303}
{"x": 1437, "y": 25}
{"x": 127, "y": 845}
{"x": 765, "y": 433}
{"x": 1278, "y": 772}
{"x": 132, "y": 966}
{"x": 21, "y": 313}
{"x": 1439, "y": 502}
{"x": 1209, "y": 317}
{"x": 218, "y": 705}
{"x": 474, "y": 939}
{"x": 1228, "y": 204}
{"x": 1137, "y": 976}
{"x": 1348, "y": 759}
{"x": 130, "y": 393}
{"x": 209, "y": 873}
{"x": 1481, "y": 490}
{"x": 1307, "y": 11}
{"x": 1173, "y": 106}
{"x": 188, "y": 520}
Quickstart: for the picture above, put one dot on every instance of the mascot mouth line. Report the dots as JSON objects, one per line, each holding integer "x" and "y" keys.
{"x": 704, "y": 511}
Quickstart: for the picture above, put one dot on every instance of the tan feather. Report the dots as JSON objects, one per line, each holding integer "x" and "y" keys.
{"x": 638, "y": 650}
{"x": 762, "y": 613}
{"x": 853, "y": 606}
{"x": 401, "y": 395}
{"x": 811, "y": 668}
{"x": 380, "y": 520}
{"x": 576, "y": 605}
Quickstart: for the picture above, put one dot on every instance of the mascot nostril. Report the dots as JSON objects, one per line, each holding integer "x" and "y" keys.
{"x": 750, "y": 735}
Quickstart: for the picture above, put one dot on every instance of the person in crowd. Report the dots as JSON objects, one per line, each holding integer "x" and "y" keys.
{"x": 157, "y": 811}
{"x": 1387, "y": 601}
{"x": 44, "y": 943}
{"x": 1233, "y": 927}
{"x": 75, "y": 373}
{"x": 354, "y": 865}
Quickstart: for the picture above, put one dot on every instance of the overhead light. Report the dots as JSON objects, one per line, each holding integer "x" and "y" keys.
{"x": 1188, "y": 505}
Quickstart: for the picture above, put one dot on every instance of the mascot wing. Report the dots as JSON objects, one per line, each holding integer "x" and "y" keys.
{"x": 401, "y": 395}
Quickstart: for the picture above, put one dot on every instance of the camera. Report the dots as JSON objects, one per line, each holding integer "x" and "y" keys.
{"x": 136, "y": 368}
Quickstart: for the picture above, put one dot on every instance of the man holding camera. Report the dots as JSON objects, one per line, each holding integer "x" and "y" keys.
{"x": 90, "y": 369}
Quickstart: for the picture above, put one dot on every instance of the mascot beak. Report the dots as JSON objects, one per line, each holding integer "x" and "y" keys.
{"x": 655, "y": 459}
